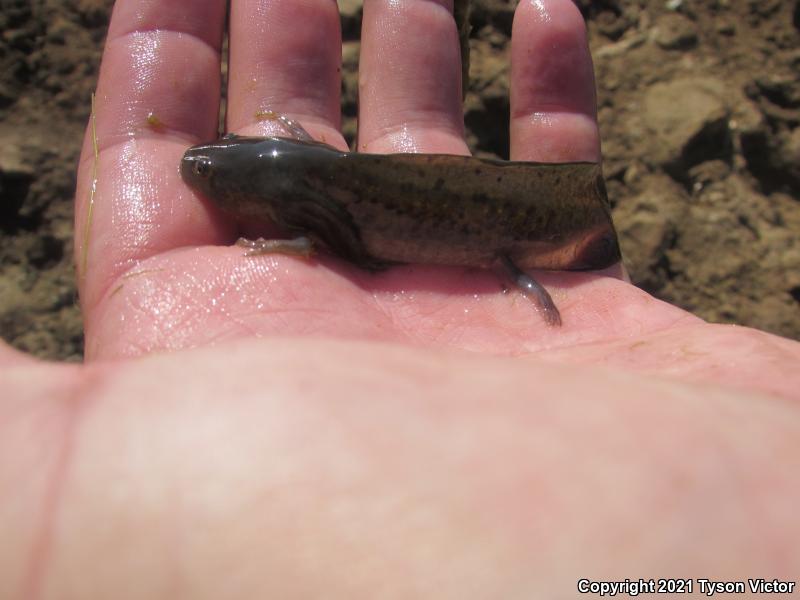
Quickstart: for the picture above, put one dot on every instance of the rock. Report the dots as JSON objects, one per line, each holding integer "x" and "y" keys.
{"x": 621, "y": 47}
{"x": 93, "y": 13}
{"x": 45, "y": 251}
{"x": 16, "y": 177}
{"x": 725, "y": 27}
{"x": 786, "y": 161}
{"x": 11, "y": 159}
{"x": 792, "y": 149}
{"x": 707, "y": 173}
{"x": 611, "y": 25}
{"x": 771, "y": 154}
{"x": 675, "y": 32}
{"x": 14, "y": 188}
{"x": 60, "y": 30}
{"x": 689, "y": 120}
{"x": 746, "y": 117}
{"x": 782, "y": 90}
{"x": 774, "y": 158}
{"x": 765, "y": 8}
{"x": 648, "y": 226}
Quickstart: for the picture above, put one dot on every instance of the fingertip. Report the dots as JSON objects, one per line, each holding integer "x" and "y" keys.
{"x": 553, "y": 100}
{"x": 550, "y": 58}
{"x": 410, "y": 78}
{"x": 285, "y": 57}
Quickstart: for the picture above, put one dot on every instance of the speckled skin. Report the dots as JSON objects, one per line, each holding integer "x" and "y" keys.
{"x": 375, "y": 210}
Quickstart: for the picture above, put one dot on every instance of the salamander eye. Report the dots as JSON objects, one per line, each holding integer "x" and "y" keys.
{"x": 202, "y": 167}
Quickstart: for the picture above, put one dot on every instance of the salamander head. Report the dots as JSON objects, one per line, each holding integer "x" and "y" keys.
{"x": 241, "y": 175}
{"x": 252, "y": 176}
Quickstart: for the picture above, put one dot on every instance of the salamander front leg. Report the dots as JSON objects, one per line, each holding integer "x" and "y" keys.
{"x": 299, "y": 246}
{"x": 290, "y": 126}
{"x": 534, "y": 291}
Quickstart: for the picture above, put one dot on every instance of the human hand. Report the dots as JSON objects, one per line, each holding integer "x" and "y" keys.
{"x": 410, "y": 100}
{"x": 161, "y": 273}
{"x": 302, "y": 464}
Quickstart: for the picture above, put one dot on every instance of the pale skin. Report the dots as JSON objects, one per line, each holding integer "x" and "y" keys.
{"x": 253, "y": 427}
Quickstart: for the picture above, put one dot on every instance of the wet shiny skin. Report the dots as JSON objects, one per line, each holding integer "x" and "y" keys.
{"x": 375, "y": 210}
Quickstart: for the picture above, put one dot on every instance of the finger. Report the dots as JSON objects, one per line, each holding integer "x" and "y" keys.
{"x": 553, "y": 105}
{"x": 285, "y": 56}
{"x": 410, "y": 78}
{"x": 158, "y": 92}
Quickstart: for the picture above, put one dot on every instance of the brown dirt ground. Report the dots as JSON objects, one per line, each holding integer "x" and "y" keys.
{"x": 699, "y": 110}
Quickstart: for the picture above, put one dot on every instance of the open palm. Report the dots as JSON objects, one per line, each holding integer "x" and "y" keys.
{"x": 159, "y": 269}
{"x": 160, "y": 272}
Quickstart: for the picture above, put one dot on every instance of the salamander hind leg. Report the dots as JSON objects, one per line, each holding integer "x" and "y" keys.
{"x": 534, "y": 291}
{"x": 299, "y": 246}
